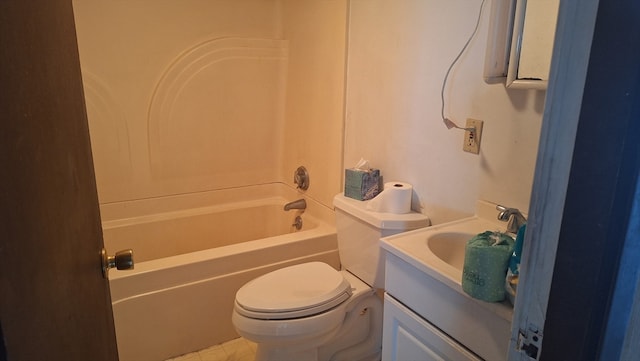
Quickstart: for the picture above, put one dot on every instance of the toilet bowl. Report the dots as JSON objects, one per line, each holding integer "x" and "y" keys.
{"x": 313, "y": 312}
{"x": 315, "y": 306}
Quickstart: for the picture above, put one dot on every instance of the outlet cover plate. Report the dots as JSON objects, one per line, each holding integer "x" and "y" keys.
{"x": 472, "y": 139}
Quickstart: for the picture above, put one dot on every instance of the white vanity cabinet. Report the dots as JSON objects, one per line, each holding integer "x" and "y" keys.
{"x": 427, "y": 314}
{"x": 426, "y": 319}
{"x": 406, "y": 336}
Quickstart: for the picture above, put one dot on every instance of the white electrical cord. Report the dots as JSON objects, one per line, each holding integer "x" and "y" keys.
{"x": 448, "y": 122}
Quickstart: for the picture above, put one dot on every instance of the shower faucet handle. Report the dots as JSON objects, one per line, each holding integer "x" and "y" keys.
{"x": 301, "y": 178}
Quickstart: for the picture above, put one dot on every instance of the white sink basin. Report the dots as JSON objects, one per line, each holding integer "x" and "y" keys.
{"x": 438, "y": 251}
{"x": 449, "y": 247}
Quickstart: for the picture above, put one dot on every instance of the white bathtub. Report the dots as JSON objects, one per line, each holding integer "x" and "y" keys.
{"x": 193, "y": 252}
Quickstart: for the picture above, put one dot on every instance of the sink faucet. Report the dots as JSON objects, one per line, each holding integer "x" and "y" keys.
{"x": 512, "y": 216}
{"x": 299, "y": 204}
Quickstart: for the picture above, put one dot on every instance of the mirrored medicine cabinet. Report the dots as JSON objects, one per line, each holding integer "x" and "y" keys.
{"x": 521, "y": 42}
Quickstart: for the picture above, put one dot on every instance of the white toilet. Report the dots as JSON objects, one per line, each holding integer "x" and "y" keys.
{"x": 311, "y": 311}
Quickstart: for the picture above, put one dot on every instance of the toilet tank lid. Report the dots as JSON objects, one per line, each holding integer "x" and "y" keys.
{"x": 381, "y": 220}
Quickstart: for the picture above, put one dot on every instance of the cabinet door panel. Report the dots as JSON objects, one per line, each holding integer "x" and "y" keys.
{"x": 406, "y": 336}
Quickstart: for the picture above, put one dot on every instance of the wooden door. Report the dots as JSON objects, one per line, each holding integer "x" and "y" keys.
{"x": 54, "y": 302}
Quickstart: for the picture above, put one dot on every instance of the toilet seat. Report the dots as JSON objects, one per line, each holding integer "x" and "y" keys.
{"x": 293, "y": 292}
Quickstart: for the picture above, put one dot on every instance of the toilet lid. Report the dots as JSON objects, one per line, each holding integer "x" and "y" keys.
{"x": 292, "y": 292}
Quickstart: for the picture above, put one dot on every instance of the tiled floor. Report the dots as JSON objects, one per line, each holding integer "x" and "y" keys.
{"x": 234, "y": 350}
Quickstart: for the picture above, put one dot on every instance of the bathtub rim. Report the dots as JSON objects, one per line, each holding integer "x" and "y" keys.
{"x": 321, "y": 230}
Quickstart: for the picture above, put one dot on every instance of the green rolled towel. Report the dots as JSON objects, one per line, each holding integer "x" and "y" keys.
{"x": 486, "y": 258}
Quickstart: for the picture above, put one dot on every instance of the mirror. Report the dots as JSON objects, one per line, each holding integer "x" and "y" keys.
{"x": 534, "y": 27}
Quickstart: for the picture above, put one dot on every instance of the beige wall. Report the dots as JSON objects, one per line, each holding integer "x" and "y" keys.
{"x": 191, "y": 95}
{"x": 399, "y": 52}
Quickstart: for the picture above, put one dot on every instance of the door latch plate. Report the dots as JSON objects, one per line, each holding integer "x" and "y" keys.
{"x": 530, "y": 342}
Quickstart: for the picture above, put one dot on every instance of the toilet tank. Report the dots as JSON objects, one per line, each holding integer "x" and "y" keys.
{"x": 359, "y": 231}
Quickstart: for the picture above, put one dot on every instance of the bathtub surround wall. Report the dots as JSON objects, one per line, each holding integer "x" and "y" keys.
{"x": 194, "y": 96}
{"x": 399, "y": 52}
{"x": 314, "y": 106}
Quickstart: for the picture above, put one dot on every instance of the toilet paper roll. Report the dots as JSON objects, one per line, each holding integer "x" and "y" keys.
{"x": 395, "y": 198}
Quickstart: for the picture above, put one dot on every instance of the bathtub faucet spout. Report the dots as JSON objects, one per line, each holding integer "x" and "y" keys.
{"x": 299, "y": 204}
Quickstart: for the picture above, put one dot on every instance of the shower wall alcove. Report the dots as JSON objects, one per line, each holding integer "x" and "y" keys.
{"x": 196, "y": 105}
{"x": 192, "y": 96}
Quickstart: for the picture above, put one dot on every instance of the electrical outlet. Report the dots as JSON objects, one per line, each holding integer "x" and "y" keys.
{"x": 472, "y": 138}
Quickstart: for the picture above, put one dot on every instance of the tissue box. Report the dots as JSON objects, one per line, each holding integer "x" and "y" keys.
{"x": 486, "y": 259}
{"x": 361, "y": 184}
